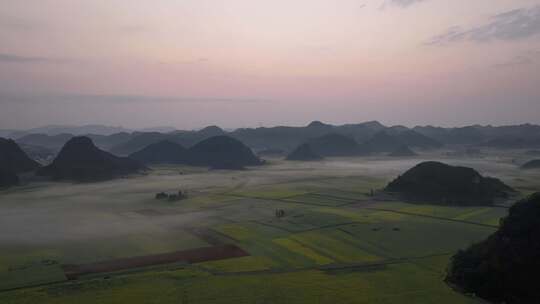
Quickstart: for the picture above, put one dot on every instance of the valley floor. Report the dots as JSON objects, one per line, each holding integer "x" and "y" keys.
{"x": 335, "y": 244}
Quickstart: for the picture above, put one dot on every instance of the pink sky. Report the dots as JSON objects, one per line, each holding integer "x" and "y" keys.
{"x": 251, "y": 62}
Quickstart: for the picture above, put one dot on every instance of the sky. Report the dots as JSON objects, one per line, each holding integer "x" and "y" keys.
{"x": 250, "y": 63}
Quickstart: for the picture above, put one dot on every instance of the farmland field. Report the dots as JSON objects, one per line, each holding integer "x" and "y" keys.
{"x": 335, "y": 243}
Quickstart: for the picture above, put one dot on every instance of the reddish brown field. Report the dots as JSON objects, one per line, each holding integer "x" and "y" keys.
{"x": 219, "y": 252}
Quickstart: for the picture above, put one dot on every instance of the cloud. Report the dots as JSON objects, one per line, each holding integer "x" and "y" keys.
{"x": 11, "y": 58}
{"x": 401, "y": 3}
{"x": 512, "y": 25}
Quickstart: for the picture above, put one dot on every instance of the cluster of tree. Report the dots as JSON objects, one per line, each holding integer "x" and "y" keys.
{"x": 503, "y": 267}
{"x": 280, "y": 213}
{"x": 172, "y": 197}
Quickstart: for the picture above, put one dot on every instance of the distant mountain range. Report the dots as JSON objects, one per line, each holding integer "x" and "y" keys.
{"x": 161, "y": 152}
{"x": 334, "y": 144}
{"x": 403, "y": 151}
{"x": 218, "y": 148}
{"x": 81, "y": 160}
{"x": 533, "y": 164}
{"x": 500, "y": 137}
{"x": 217, "y": 152}
{"x": 139, "y": 140}
{"x": 304, "y": 152}
{"x": 370, "y": 136}
{"x": 53, "y": 130}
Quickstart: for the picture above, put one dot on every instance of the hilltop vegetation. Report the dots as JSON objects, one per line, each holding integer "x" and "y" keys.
{"x": 81, "y": 160}
{"x": 503, "y": 268}
{"x": 449, "y": 185}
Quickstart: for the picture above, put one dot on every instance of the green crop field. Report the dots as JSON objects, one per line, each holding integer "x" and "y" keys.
{"x": 334, "y": 244}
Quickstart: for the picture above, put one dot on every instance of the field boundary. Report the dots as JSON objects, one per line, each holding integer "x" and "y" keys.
{"x": 431, "y": 217}
{"x": 364, "y": 204}
{"x": 218, "y": 252}
{"x": 334, "y": 266}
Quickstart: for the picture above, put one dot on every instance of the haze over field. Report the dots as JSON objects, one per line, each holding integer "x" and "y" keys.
{"x": 255, "y": 151}
{"x": 246, "y": 63}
